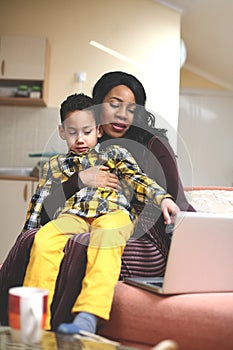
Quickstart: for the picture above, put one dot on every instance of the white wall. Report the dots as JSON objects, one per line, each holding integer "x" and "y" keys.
{"x": 143, "y": 30}
{"x": 206, "y": 136}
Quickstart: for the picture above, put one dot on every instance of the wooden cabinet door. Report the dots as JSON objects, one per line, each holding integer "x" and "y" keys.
{"x": 22, "y": 57}
{"x": 15, "y": 198}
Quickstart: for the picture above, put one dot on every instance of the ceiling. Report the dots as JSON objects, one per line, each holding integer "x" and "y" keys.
{"x": 207, "y": 30}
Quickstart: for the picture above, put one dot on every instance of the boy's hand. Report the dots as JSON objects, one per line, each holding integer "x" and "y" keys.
{"x": 98, "y": 176}
{"x": 169, "y": 210}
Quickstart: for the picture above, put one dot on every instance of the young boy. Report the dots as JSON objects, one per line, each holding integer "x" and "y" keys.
{"x": 104, "y": 212}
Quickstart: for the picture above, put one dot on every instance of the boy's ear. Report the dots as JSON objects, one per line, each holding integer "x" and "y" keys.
{"x": 61, "y": 131}
{"x": 100, "y": 131}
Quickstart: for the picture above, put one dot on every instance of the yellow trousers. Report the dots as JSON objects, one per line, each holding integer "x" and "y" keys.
{"x": 108, "y": 236}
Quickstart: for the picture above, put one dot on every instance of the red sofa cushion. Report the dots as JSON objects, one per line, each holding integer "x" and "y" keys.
{"x": 195, "y": 321}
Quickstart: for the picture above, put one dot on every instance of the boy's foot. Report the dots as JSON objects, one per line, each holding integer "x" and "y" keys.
{"x": 69, "y": 328}
{"x": 82, "y": 322}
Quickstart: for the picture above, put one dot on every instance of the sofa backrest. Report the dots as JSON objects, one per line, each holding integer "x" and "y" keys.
{"x": 211, "y": 199}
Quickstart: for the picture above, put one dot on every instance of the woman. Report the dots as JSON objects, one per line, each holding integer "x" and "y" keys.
{"x": 119, "y": 96}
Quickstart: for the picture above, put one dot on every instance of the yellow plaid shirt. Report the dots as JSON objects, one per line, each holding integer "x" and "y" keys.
{"x": 92, "y": 201}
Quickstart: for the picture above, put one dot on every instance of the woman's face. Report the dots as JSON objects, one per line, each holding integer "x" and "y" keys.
{"x": 117, "y": 111}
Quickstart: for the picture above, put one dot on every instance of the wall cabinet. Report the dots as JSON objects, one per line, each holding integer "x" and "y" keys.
{"x": 24, "y": 61}
{"x": 15, "y": 198}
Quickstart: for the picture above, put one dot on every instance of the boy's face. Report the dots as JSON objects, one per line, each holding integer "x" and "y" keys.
{"x": 80, "y": 131}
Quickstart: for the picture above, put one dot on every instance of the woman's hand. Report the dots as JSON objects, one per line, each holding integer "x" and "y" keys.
{"x": 98, "y": 176}
{"x": 169, "y": 210}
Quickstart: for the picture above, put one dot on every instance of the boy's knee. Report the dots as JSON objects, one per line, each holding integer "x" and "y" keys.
{"x": 106, "y": 238}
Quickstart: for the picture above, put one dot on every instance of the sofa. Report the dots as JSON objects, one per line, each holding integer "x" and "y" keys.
{"x": 200, "y": 321}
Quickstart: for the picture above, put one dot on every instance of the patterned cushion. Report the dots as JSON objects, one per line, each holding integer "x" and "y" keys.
{"x": 211, "y": 200}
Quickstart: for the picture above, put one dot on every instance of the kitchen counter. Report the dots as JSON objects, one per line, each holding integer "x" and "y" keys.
{"x": 23, "y": 174}
{"x": 18, "y": 178}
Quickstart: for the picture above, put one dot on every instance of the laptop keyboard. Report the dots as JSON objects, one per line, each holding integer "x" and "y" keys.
{"x": 157, "y": 284}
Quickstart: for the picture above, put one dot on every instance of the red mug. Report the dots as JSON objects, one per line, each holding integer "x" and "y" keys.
{"x": 27, "y": 311}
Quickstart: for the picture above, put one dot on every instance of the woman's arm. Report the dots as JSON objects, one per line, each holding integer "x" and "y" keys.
{"x": 50, "y": 193}
{"x": 59, "y": 194}
{"x": 93, "y": 177}
{"x": 169, "y": 176}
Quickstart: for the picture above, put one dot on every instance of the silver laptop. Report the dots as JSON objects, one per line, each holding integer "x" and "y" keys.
{"x": 200, "y": 257}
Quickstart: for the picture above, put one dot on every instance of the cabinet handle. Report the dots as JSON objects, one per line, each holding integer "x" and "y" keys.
{"x": 25, "y": 193}
{"x": 3, "y": 68}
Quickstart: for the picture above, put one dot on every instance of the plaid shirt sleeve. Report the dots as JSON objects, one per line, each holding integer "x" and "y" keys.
{"x": 50, "y": 173}
{"x": 145, "y": 189}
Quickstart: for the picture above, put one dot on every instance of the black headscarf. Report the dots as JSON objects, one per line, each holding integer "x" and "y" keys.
{"x": 109, "y": 80}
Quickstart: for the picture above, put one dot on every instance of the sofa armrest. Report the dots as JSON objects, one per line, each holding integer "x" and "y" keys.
{"x": 195, "y": 321}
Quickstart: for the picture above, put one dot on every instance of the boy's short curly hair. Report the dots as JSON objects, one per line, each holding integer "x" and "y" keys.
{"x": 75, "y": 102}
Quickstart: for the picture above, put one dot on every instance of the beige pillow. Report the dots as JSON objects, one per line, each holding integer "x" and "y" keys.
{"x": 211, "y": 201}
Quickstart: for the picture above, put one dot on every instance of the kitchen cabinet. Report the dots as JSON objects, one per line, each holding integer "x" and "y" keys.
{"x": 24, "y": 61}
{"x": 22, "y": 58}
{"x": 15, "y": 198}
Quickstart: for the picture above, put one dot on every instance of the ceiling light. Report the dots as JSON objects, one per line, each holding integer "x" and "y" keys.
{"x": 114, "y": 53}
{"x": 183, "y": 53}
